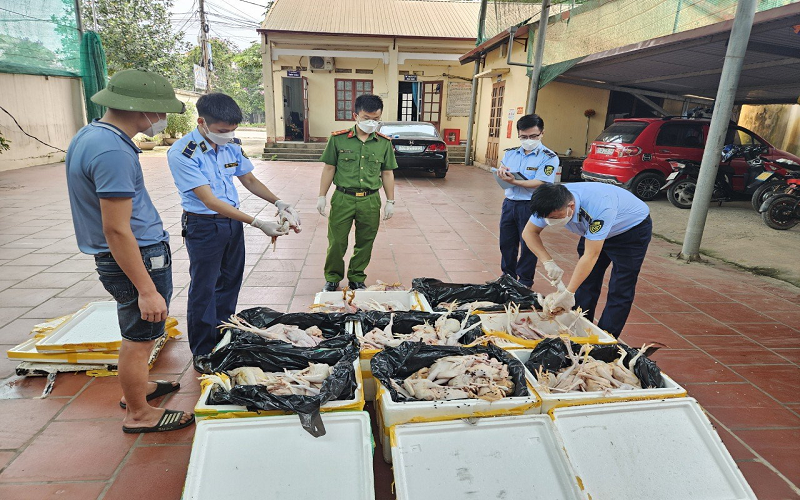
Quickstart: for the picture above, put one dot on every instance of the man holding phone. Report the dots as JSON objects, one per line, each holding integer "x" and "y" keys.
{"x": 536, "y": 165}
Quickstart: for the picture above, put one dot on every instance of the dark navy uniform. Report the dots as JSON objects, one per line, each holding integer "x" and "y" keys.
{"x": 613, "y": 214}
{"x": 541, "y": 164}
{"x": 215, "y": 244}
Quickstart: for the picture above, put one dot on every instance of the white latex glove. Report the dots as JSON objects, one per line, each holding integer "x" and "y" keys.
{"x": 388, "y": 210}
{"x": 554, "y": 273}
{"x": 559, "y": 302}
{"x": 269, "y": 228}
{"x": 321, "y": 203}
{"x": 289, "y": 212}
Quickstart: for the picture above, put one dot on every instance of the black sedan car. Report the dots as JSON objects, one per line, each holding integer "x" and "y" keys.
{"x": 417, "y": 146}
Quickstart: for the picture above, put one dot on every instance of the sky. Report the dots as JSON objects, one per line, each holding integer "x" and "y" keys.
{"x": 234, "y": 20}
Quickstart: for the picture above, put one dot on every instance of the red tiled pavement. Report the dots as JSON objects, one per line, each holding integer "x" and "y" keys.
{"x": 730, "y": 338}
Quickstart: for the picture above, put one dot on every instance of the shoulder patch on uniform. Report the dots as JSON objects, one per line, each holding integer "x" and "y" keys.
{"x": 238, "y": 141}
{"x": 549, "y": 154}
{"x": 383, "y": 135}
{"x": 596, "y": 226}
{"x": 509, "y": 149}
{"x": 188, "y": 151}
{"x": 340, "y": 132}
{"x": 549, "y": 169}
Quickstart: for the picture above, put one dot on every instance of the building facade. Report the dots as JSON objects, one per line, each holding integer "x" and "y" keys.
{"x": 319, "y": 57}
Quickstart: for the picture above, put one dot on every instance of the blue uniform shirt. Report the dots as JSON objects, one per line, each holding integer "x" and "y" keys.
{"x": 194, "y": 163}
{"x": 602, "y": 210}
{"x": 541, "y": 164}
{"x": 103, "y": 162}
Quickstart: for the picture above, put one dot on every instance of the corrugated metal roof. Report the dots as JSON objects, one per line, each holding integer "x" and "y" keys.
{"x": 402, "y": 18}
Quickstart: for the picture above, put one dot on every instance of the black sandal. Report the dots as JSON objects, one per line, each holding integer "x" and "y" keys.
{"x": 170, "y": 421}
{"x": 163, "y": 387}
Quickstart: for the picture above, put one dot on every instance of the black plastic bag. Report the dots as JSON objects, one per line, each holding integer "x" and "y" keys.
{"x": 502, "y": 291}
{"x": 247, "y": 349}
{"x": 400, "y": 362}
{"x": 406, "y": 320}
{"x": 331, "y": 324}
{"x": 551, "y": 355}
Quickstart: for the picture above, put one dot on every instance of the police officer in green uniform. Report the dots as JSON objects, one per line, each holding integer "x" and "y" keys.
{"x": 358, "y": 161}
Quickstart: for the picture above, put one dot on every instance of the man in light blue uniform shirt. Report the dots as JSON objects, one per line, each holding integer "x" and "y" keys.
{"x": 116, "y": 222}
{"x": 538, "y": 165}
{"x": 614, "y": 226}
{"x": 203, "y": 165}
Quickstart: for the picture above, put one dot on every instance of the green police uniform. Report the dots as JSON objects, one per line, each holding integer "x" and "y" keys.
{"x": 356, "y": 198}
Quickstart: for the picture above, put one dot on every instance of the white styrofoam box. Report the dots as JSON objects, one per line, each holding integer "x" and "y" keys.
{"x": 500, "y": 457}
{"x": 671, "y": 389}
{"x": 659, "y": 450}
{"x": 274, "y": 457}
{"x": 586, "y": 331}
{"x": 203, "y": 410}
{"x": 93, "y": 328}
{"x": 390, "y": 413}
{"x": 412, "y": 299}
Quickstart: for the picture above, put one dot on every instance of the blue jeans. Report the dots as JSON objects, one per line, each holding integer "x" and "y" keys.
{"x": 158, "y": 261}
{"x": 626, "y": 251}
{"x": 216, "y": 267}
{"x": 516, "y": 260}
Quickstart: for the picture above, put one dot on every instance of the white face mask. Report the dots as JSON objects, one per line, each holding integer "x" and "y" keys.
{"x": 155, "y": 128}
{"x": 219, "y": 138}
{"x": 368, "y": 126}
{"x": 530, "y": 144}
{"x": 559, "y": 222}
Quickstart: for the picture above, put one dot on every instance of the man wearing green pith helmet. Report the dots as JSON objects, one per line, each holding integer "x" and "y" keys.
{"x": 117, "y": 223}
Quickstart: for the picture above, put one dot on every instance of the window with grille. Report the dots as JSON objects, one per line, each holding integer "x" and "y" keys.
{"x": 346, "y": 93}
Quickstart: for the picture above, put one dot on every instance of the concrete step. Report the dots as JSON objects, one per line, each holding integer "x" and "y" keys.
{"x": 299, "y": 156}
{"x": 295, "y": 145}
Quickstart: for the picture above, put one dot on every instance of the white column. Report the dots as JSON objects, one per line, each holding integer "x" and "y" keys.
{"x": 269, "y": 89}
{"x": 392, "y": 77}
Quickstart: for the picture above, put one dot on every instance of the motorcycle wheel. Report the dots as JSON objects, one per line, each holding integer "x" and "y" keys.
{"x": 681, "y": 193}
{"x": 780, "y": 212}
{"x": 764, "y": 191}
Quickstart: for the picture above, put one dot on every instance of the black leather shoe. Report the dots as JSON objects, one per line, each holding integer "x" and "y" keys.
{"x": 355, "y": 285}
{"x": 197, "y": 364}
{"x": 330, "y": 286}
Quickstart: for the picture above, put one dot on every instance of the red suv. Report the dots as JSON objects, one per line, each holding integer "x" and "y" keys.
{"x": 633, "y": 152}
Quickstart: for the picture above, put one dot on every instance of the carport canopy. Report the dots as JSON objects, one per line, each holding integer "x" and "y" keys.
{"x": 688, "y": 65}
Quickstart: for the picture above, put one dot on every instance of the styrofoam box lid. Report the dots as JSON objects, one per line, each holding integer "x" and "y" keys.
{"x": 411, "y": 299}
{"x": 274, "y": 457}
{"x": 96, "y": 324}
{"x": 499, "y": 457}
{"x": 26, "y": 351}
{"x": 649, "y": 449}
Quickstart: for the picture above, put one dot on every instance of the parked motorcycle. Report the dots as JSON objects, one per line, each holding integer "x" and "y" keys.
{"x": 782, "y": 211}
{"x": 771, "y": 182}
{"x": 733, "y": 180}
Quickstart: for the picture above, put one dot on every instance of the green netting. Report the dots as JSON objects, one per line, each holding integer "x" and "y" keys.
{"x": 39, "y": 37}
{"x": 94, "y": 71}
{"x": 551, "y": 71}
{"x": 502, "y": 14}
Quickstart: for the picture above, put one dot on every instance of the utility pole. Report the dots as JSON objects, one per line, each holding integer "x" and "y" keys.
{"x": 720, "y": 120}
{"x": 468, "y": 160}
{"x": 204, "y": 45}
{"x": 538, "y": 53}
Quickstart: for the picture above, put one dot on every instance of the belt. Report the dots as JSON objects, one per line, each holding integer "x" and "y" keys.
{"x": 207, "y": 216}
{"x": 356, "y": 192}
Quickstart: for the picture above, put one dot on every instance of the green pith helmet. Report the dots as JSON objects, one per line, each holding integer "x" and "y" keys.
{"x": 137, "y": 90}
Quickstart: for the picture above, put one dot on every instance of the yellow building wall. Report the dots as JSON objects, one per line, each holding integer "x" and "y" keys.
{"x": 50, "y": 108}
{"x": 322, "y": 98}
{"x": 777, "y": 123}
{"x": 560, "y": 105}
